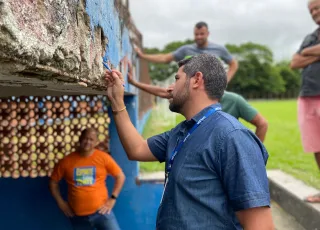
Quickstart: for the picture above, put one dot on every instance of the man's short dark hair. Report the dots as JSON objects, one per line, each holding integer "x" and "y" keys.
{"x": 85, "y": 131}
{"x": 214, "y": 75}
{"x": 199, "y": 25}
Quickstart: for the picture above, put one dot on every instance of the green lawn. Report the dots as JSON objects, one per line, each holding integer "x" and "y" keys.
{"x": 282, "y": 142}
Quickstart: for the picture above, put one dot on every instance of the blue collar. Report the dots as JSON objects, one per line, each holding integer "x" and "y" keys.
{"x": 189, "y": 123}
{"x": 199, "y": 115}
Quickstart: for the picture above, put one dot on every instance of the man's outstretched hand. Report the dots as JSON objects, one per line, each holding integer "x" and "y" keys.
{"x": 138, "y": 51}
{"x": 130, "y": 73}
{"x": 115, "y": 90}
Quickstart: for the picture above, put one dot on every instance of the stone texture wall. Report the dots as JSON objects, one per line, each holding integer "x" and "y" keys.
{"x": 60, "y": 44}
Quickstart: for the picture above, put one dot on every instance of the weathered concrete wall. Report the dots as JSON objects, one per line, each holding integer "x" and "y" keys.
{"x": 57, "y": 44}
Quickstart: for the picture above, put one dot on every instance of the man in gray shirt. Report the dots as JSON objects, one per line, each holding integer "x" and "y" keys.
{"x": 308, "y": 59}
{"x": 201, "y": 45}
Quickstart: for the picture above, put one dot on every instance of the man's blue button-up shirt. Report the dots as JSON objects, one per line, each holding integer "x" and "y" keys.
{"x": 219, "y": 170}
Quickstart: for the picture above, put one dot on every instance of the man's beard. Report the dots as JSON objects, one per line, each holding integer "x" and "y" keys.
{"x": 201, "y": 43}
{"x": 179, "y": 101}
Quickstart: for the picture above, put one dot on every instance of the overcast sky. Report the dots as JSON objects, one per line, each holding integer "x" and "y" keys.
{"x": 280, "y": 24}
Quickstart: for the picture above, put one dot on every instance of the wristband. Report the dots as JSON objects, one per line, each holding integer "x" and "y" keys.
{"x": 117, "y": 111}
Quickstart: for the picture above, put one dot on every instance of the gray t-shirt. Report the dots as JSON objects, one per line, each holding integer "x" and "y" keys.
{"x": 311, "y": 74}
{"x": 216, "y": 50}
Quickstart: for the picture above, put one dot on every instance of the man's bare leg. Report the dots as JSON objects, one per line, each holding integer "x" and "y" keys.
{"x": 315, "y": 198}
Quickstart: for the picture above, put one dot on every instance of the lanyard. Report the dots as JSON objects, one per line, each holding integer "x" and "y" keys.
{"x": 181, "y": 143}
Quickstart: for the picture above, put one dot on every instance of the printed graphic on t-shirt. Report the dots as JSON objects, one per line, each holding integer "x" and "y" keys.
{"x": 84, "y": 176}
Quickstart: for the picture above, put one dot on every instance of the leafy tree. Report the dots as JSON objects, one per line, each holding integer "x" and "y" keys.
{"x": 291, "y": 77}
{"x": 256, "y": 73}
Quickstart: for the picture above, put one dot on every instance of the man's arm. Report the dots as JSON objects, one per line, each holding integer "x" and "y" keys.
{"x": 298, "y": 61}
{"x": 118, "y": 184}
{"x": 154, "y": 90}
{"x": 311, "y": 51}
{"x": 256, "y": 218}
{"x": 242, "y": 161}
{"x": 251, "y": 115}
{"x": 231, "y": 61}
{"x": 233, "y": 67}
{"x": 63, "y": 205}
{"x": 114, "y": 169}
{"x": 135, "y": 146}
{"x": 155, "y": 58}
{"x": 261, "y": 125}
{"x": 108, "y": 206}
{"x": 55, "y": 191}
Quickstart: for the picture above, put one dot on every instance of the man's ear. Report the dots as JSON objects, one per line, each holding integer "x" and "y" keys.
{"x": 197, "y": 80}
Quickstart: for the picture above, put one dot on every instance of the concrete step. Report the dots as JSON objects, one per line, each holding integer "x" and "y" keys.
{"x": 289, "y": 193}
{"x": 282, "y": 220}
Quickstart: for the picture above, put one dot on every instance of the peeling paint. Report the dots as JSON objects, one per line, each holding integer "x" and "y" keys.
{"x": 103, "y": 14}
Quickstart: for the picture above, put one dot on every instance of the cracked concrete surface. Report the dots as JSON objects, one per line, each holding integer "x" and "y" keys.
{"x": 49, "y": 44}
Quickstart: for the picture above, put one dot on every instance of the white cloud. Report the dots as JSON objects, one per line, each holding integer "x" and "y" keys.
{"x": 279, "y": 24}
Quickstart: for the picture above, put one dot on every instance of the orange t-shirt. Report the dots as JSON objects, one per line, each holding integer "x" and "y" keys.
{"x": 85, "y": 177}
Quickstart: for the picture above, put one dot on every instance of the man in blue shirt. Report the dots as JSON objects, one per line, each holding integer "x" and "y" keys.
{"x": 201, "y": 46}
{"x": 215, "y": 167}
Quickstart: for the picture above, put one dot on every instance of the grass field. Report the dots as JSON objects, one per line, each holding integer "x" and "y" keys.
{"x": 282, "y": 142}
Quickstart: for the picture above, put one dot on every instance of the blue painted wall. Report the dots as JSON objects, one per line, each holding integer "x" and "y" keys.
{"x": 103, "y": 14}
{"x": 27, "y": 204}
